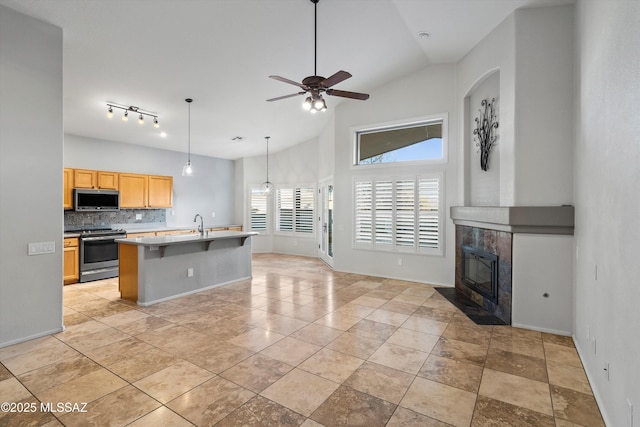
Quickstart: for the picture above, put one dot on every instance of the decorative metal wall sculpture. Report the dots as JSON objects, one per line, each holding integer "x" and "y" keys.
{"x": 484, "y": 133}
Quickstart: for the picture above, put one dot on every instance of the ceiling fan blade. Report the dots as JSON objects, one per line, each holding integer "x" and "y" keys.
{"x": 291, "y": 82}
{"x": 335, "y": 79}
{"x": 286, "y": 96}
{"x": 347, "y": 94}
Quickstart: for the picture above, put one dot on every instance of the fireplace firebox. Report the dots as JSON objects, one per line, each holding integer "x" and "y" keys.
{"x": 480, "y": 272}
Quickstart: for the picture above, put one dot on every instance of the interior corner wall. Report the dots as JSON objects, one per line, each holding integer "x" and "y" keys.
{"x": 544, "y": 96}
{"x": 30, "y": 164}
{"x": 607, "y": 178}
{"x": 429, "y": 91}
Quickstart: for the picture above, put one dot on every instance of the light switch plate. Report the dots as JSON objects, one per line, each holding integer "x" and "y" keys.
{"x": 41, "y": 248}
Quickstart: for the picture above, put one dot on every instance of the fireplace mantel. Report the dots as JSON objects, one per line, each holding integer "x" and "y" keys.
{"x": 517, "y": 219}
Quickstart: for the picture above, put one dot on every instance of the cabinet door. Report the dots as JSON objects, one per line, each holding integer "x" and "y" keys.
{"x": 133, "y": 190}
{"x": 83, "y": 178}
{"x": 160, "y": 191}
{"x": 143, "y": 234}
{"x": 71, "y": 261}
{"x": 67, "y": 199}
{"x": 107, "y": 180}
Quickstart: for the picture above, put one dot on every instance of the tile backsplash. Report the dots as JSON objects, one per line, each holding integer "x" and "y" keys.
{"x": 88, "y": 220}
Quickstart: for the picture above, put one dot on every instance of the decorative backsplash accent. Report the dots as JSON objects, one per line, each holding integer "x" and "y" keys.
{"x": 76, "y": 220}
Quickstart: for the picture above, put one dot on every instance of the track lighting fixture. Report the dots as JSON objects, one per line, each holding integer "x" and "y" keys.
{"x": 125, "y": 117}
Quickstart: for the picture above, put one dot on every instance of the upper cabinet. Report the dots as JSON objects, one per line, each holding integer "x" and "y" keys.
{"x": 160, "y": 194}
{"x": 133, "y": 190}
{"x": 67, "y": 199}
{"x": 102, "y": 180}
{"x": 136, "y": 191}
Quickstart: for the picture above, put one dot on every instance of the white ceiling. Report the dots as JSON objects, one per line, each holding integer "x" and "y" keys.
{"x": 155, "y": 53}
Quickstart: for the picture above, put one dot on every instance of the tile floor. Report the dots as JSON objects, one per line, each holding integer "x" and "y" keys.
{"x": 296, "y": 345}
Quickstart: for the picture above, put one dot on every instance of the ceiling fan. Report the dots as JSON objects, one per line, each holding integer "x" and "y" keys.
{"x": 315, "y": 85}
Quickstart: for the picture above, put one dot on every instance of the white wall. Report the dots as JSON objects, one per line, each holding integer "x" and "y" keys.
{"x": 211, "y": 189}
{"x": 30, "y": 164}
{"x": 607, "y": 179}
{"x": 428, "y": 92}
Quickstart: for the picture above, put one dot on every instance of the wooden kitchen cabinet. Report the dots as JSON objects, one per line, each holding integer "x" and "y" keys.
{"x": 67, "y": 199}
{"x": 102, "y": 180}
{"x": 160, "y": 191}
{"x": 133, "y": 190}
{"x": 142, "y": 234}
{"x": 71, "y": 260}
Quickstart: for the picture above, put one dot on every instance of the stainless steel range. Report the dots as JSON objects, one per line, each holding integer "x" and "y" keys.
{"x": 99, "y": 253}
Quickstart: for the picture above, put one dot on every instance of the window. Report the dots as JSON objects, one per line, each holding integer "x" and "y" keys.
{"x": 421, "y": 141}
{"x": 398, "y": 213}
{"x": 258, "y": 210}
{"x": 295, "y": 209}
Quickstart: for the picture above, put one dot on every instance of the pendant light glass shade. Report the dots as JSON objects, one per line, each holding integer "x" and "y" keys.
{"x": 187, "y": 170}
{"x": 267, "y": 186}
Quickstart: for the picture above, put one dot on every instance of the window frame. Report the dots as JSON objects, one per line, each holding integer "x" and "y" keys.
{"x": 399, "y": 124}
{"x": 394, "y": 247}
{"x": 276, "y": 211}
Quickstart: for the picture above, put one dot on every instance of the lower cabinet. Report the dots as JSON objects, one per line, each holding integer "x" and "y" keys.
{"x": 71, "y": 261}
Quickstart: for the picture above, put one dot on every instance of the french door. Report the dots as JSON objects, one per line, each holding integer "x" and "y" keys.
{"x": 325, "y": 221}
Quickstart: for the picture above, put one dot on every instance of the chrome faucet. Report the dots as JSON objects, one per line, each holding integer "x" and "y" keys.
{"x": 201, "y": 226}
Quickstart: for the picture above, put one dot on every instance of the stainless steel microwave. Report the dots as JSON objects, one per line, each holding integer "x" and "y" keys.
{"x": 87, "y": 200}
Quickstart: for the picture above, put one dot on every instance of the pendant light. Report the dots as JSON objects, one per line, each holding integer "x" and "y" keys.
{"x": 187, "y": 170}
{"x": 267, "y": 186}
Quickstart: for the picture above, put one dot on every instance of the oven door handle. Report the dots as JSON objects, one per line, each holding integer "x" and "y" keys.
{"x": 87, "y": 239}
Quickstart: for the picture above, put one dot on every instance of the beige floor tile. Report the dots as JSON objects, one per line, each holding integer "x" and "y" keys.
{"x": 576, "y": 407}
{"x": 291, "y": 351}
{"x": 472, "y": 334}
{"x": 427, "y": 326}
{"x": 460, "y": 350}
{"x": 292, "y": 391}
{"x": 517, "y": 364}
{"x": 380, "y": 381}
{"x": 316, "y": 334}
{"x": 413, "y": 339}
{"x": 409, "y": 299}
{"x": 422, "y": 291}
{"x": 4, "y": 373}
{"x": 338, "y": 321}
{"x": 257, "y": 372}
{"x": 118, "y": 351}
{"x": 143, "y": 364}
{"x": 360, "y": 346}
{"x": 12, "y": 391}
{"x": 332, "y": 365}
{"x": 119, "y": 319}
{"x": 400, "y": 307}
{"x": 568, "y": 376}
{"x": 562, "y": 354}
{"x": 388, "y": 317}
{"x": 86, "y": 388}
{"x": 27, "y": 347}
{"x": 517, "y": 344}
{"x": 210, "y": 402}
{"x": 490, "y": 412}
{"x": 369, "y": 301}
{"x": 349, "y": 407}
{"x": 143, "y": 325}
{"x": 400, "y": 358}
{"x": 172, "y": 381}
{"x": 514, "y": 332}
{"x": 407, "y": 418}
{"x": 558, "y": 339}
{"x": 52, "y": 352}
{"x": 256, "y": 339}
{"x": 261, "y": 412}
{"x": 310, "y": 423}
{"x": 439, "y": 401}
{"x": 109, "y": 409}
{"x": 58, "y": 373}
{"x": 434, "y": 313}
{"x": 27, "y": 417}
{"x": 220, "y": 357}
{"x": 373, "y": 329}
{"x": 177, "y": 340}
{"x": 282, "y": 324}
{"x": 516, "y": 390}
{"x": 355, "y": 310}
{"x": 86, "y": 343}
{"x": 162, "y": 416}
{"x": 465, "y": 376}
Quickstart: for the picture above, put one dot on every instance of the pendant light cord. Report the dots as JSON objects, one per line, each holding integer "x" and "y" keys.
{"x": 189, "y": 137}
{"x": 315, "y": 38}
{"x": 267, "y": 158}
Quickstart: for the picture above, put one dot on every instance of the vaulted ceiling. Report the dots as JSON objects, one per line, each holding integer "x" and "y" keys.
{"x": 155, "y": 53}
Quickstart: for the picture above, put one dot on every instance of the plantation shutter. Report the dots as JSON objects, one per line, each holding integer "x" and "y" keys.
{"x": 363, "y": 217}
{"x": 285, "y": 209}
{"x": 258, "y": 210}
{"x": 405, "y": 213}
{"x": 383, "y": 214}
{"x": 428, "y": 219}
{"x": 304, "y": 210}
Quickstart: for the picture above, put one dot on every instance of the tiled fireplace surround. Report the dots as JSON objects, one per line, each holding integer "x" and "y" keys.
{"x": 494, "y": 242}
{"x": 491, "y": 230}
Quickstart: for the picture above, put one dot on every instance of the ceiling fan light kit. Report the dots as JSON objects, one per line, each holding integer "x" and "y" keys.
{"x": 315, "y": 85}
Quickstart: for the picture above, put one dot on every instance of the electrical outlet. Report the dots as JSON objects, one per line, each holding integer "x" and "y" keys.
{"x": 189, "y": 272}
{"x": 138, "y": 217}
{"x": 629, "y": 413}
{"x": 41, "y": 248}
{"x": 399, "y": 261}
{"x": 213, "y": 214}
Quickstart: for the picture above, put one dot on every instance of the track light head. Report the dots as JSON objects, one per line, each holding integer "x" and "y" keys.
{"x": 155, "y": 123}
{"x": 110, "y": 112}
{"x": 141, "y": 119}
{"x": 125, "y": 117}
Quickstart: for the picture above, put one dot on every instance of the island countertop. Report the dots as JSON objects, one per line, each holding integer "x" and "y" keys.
{"x": 178, "y": 239}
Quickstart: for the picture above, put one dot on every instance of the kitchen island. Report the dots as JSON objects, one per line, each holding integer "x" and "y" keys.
{"x": 159, "y": 268}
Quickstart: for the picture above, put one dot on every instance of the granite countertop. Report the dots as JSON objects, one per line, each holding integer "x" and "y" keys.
{"x": 185, "y": 238}
{"x": 150, "y": 228}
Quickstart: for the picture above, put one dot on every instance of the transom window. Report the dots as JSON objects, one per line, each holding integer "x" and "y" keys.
{"x": 403, "y": 143}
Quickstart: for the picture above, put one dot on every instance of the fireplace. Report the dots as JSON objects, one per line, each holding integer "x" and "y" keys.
{"x": 480, "y": 272}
